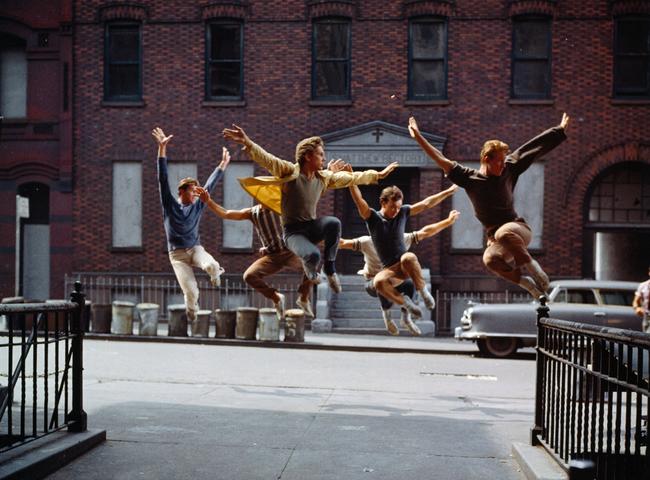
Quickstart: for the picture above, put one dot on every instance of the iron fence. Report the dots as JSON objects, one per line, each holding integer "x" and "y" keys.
{"x": 41, "y": 370}
{"x": 592, "y": 392}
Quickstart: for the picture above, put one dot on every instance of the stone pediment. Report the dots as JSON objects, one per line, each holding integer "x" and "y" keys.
{"x": 377, "y": 143}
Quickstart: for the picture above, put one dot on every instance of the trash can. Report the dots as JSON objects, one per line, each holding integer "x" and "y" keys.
{"x": 18, "y": 320}
{"x": 226, "y": 321}
{"x": 122, "y": 322}
{"x": 56, "y": 321}
{"x": 246, "y": 323}
{"x": 85, "y": 318}
{"x": 294, "y": 327}
{"x": 148, "y": 313}
{"x": 101, "y": 317}
{"x": 269, "y": 325}
{"x": 177, "y": 319}
{"x": 201, "y": 326}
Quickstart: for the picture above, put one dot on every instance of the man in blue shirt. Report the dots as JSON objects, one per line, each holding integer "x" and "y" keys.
{"x": 181, "y": 218}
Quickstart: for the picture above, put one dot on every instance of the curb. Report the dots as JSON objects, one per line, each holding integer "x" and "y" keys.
{"x": 536, "y": 463}
{"x": 42, "y": 457}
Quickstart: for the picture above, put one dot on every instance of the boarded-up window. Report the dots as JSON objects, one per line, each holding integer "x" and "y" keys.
{"x": 127, "y": 204}
{"x": 237, "y": 234}
{"x": 13, "y": 77}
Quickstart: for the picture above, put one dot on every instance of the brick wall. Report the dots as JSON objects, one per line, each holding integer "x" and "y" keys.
{"x": 277, "y": 114}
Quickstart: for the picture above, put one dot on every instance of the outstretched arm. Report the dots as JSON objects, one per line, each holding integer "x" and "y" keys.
{"x": 243, "y": 214}
{"x": 162, "y": 141}
{"x": 433, "y": 228}
{"x": 279, "y": 168}
{"x": 437, "y": 156}
{"x": 166, "y": 196}
{"x": 432, "y": 200}
{"x": 539, "y": 146}
{"x": 346, "y": 244}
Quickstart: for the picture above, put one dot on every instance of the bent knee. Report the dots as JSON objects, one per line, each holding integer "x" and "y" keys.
{"x": 408, "y": 257}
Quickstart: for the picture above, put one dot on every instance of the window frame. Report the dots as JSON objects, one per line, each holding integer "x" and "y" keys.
{"x": 21, "y": 43}
{"x": 616, "y": 90}
{"x": 445, "y": 58}
{"x": 107, "y": 63}
{"x": 314, "y": 60}
{"x": 514, "y": 59}
{"x": 209, "y": 61}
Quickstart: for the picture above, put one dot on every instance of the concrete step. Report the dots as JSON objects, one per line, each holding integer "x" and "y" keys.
{"x": 374, "y": 312}
{"x": 358, "y": 323}
{"x": 369, "y": 331}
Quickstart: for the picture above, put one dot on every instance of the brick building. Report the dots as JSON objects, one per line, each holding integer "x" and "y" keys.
{"x": 353, "y": 71}
{"x": 35, "y": 146}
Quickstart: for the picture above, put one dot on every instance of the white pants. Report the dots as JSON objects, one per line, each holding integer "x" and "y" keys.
{"x": 182, "y": 261}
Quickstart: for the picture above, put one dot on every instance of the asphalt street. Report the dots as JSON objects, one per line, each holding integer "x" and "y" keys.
{"x": 182, "y": 411}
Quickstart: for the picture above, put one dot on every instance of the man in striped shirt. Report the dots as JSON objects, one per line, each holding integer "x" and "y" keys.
{"x": 274, "y": 251}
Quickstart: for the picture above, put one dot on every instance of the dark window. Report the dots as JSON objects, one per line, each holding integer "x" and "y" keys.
{"x": 224, "y": 61}
{"x": 617, "y": 297}
{"x": 632, "y": 58}
{"x": 531, "y": 57}
{"x": 331, "y": 59}
{"x": 622, "y": 195}
{"x": 123, "y": 63}
{"x": 576, "y": 296}
{"x": 427, "y": 74}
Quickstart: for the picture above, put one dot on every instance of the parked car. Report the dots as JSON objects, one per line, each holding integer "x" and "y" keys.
{"x": 500, "y": 329}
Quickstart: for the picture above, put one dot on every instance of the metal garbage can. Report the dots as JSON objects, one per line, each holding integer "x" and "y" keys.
{"x": 18, "y": 320}
{"x": 226, "y": 321}
{"x": 101, "y": 317}
{"x": 85, "y": 318}
{"x": 246, "y": 323}
{"x": 122, "y": 322}
{"x": 148, "y": 313}
{"x": 55, "y": 321}
{"x": 294, "y": 327}
{"x": 201, "y": 325}
{"x": 269, "y": 325}
{"x": 177, "y": 320}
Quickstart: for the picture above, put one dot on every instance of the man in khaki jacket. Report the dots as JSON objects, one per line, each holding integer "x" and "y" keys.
{"x": 293, "y": 192}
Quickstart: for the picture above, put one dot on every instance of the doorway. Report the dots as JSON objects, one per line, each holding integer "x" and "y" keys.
{"x": 35, "y": 243}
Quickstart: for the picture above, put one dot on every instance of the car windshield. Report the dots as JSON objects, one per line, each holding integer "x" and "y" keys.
{"x": 617, "y": 297}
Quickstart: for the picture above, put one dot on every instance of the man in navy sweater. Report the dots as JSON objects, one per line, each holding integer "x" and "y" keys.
{"x": 181, "y": 218}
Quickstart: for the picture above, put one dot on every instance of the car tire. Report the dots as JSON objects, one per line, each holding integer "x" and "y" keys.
{"x": 497, "y": 346}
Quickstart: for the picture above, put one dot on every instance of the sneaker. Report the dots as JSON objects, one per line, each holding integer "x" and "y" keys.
{"x": 305, "y": 306}
{"x": 412, "y": 308}
{"x": 313, "y": 277}
{"x": 391, "y": 327}
{"x": 540, "y": 277}
{"x": 429, "y": 302}
{"x": 334, "y": 282}
{"x": 529, "y": 284}
{"x": 409, "y": 324}
{"x": 279, "y": 306}
{"x": 216, "y": 280}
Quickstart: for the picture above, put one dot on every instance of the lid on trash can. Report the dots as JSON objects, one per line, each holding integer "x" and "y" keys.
{"x": 268, "y": 310}
{"x": 176, "y": 306}
{"x": 224, "y": 310}
{"x": 246, "y": 309}
{"x": 13, "y": 300}
{"x": 122, "y": 303}
{"x": 294, "y": 312}
{"x": 147, "y": 306}
{"x": 204, "y": 312}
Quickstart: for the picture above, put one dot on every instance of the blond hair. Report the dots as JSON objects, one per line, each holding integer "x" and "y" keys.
{"x": 306, "y": 146}
{"x": 493, "y": 146}
{"x": 186, "y": 182}
{"x": 390, "y": 193}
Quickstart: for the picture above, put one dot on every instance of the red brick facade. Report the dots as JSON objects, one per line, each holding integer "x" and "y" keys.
{"x": 277, "y": 110}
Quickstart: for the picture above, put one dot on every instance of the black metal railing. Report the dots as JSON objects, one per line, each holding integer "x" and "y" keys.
{"x": 41, "y": 364}
{"x": 592, "y": 396}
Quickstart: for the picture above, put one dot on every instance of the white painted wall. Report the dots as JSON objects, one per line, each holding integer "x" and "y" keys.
{"x": 36, "y": 262}
{"x": 127, "y": 204}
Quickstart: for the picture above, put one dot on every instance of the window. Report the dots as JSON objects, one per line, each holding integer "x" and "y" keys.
{"x": 576, "y": 296}
{"x": 13, "y": 77}
{"x": 622, "y": 195}
{"x": 617, "y": 297}
{"x": 123, "y": 63}
{"x": 237, "y": 234}
{"x": 632, "y": 58}
{"x": 127, "y": 204}
{"x": 331, "y": 59}
{"x": 427, "y": 75}
{"x": 224, "y": 61}
{"x": 531, "y": 58}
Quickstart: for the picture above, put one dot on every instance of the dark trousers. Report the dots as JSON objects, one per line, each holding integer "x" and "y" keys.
{"x": 302, "y": 239}
{"x": 406, "y": 287}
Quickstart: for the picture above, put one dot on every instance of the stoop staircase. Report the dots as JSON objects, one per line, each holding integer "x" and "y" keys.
{"x": 354, "y": 311}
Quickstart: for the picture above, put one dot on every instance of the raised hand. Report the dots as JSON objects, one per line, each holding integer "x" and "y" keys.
{"x": 413, "y": 127}
{"x": 236, "y": 134}
{"x": 202, "y": 193}
{"x": 452, "y": 189}
{"x": 388, "y": 170}
{"x": 453, "y": 216}
{"x": 225, "y": 158}
{"x": 565, "y": 121}
{"x": 336, "y": 165}
{"x": 160, "y": 137}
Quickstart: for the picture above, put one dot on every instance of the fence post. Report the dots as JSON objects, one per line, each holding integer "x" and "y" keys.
{"x": 78, "y": 418}
{"x": 537, "y": 430}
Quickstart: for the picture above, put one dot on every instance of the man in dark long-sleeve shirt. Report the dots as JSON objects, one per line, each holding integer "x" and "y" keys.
{"x": 181, "y": 218}
{"x": 491, "y": 191}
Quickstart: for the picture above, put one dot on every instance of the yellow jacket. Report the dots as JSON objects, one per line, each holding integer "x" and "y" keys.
{"x": 268, "y": 190}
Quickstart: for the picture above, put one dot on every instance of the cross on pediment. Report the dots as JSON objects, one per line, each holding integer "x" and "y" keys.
{"x": 377, "y": 133}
